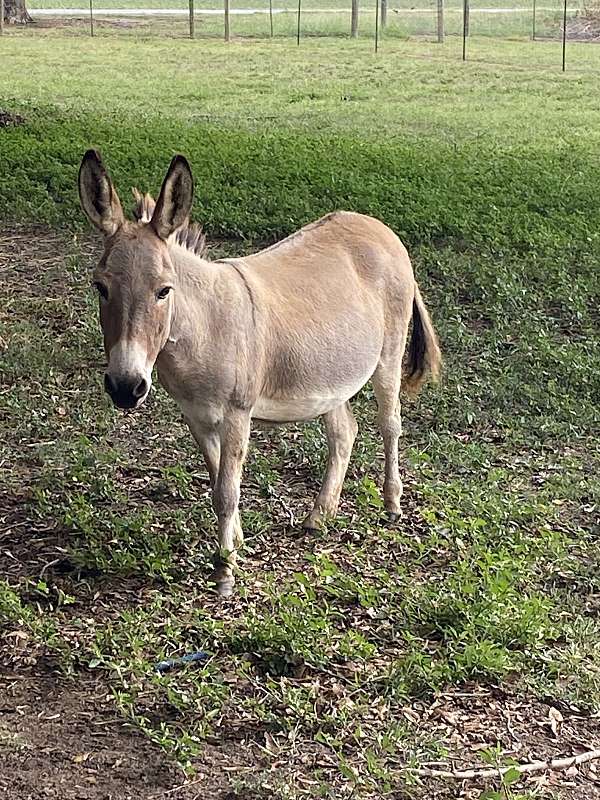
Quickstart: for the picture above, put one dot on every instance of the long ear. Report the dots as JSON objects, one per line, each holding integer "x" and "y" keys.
{"x": 175, "y": 200}
{"x": 97, "y": 195}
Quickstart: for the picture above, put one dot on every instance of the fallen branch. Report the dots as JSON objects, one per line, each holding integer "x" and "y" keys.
{"x": 175, "y": 789}
{"x": 493, "y": 772}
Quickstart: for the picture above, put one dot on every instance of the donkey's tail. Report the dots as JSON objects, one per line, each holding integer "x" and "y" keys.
{"x": 424, "y": 355}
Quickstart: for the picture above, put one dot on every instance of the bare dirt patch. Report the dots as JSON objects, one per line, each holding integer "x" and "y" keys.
{"x": 77, "y": 24}
{"x": 9, "y": 119}
{"x": 61, "y": 740}
{"x": 584, "y": 29}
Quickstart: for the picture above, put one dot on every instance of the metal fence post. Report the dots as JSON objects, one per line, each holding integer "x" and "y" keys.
{"x": 376, "y": 25}
{"x": 564, "y": 41}
{"x": 440, "y": 21}
{"x": 91, "y": 17}
{"x": 227, "y": 27}
{"x": 271, "y": 16}
{"x": 191, "y": 19}
{"x": 298, "y": 30}
{"x": 465, "y": 28}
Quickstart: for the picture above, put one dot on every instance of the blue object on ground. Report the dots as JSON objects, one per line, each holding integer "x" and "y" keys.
{"x": 171, "y": 663}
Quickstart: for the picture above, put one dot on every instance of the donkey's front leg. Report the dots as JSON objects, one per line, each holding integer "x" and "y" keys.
{"x": 208, "y": 440}
{"x": 234, "y": 433}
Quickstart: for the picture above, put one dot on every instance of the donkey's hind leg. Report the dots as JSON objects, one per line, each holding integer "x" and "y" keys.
{"x": 341, "y": 430}
{"x": 386, "y": 384}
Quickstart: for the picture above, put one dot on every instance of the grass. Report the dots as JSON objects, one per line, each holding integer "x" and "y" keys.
{"x": 325, "y": 664}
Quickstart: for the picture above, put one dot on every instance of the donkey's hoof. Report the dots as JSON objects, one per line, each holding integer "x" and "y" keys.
{"x": 393, "y": 517}
{"x": 311, "y": 530}
{"x": 225, "y": 587}
{"x": 223, "y": 580}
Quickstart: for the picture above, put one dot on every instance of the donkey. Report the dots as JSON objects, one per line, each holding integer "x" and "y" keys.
{"x": 288, "y": 334}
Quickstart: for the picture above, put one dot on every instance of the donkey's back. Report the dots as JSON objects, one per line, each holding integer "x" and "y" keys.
{"x": 333, "y": 245}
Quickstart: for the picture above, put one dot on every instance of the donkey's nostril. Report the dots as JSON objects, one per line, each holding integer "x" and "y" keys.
{"x": 109, "y": 384}
{"x": 126, "y": 391}
{"x": 141, "y": 389}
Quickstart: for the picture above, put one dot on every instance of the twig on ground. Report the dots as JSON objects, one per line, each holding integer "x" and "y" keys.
{"x": 534, "y": 766}
{"x": 167, "y": 792}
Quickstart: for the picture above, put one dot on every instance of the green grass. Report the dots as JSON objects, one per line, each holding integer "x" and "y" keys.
{"x": 489, "y": 171}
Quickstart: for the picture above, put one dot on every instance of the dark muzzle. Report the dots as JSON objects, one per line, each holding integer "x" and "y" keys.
{"x": 127, "y": 391}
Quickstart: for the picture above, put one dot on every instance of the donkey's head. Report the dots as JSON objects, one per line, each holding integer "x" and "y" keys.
{"x": 135, "y": 277}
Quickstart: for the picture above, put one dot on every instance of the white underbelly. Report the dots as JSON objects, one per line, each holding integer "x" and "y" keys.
{"x": 299, "y": 409}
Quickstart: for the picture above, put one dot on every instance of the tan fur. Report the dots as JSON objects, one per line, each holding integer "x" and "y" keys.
{"x": 284, "y": 335}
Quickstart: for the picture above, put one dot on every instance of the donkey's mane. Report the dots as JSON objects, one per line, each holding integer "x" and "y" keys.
{"x": 189, "y": 235}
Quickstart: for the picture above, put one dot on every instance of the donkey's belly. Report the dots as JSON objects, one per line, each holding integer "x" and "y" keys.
{"x": 310, "y": 405}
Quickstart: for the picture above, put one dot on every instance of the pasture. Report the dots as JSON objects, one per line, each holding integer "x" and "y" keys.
{"x": 466, "y": 635}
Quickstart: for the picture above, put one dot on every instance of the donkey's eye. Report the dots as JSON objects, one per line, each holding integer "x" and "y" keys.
{"x": 162, "y": 293}
{"x": 102, "y": 290}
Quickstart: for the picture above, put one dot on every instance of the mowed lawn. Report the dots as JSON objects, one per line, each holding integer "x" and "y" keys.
{"x": 467, "y": 635}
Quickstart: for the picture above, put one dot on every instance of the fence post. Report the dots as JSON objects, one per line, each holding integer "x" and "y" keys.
{"x": 564, "y": 41}
{"x": 1, "y": 17}
{"x": 227, "y": 29}
{"x": 383, "y": 13}
{"x": 298, "y": 30}
{"x": 465, "y": 28}
{"x": 271, "y": 16}
{"x": 533, "y": 22}
{"x": 91, "y": 17}
{"x": 467, "y": 12}
{"x": 376, "y": 25}
{"x": 354, "y": 22}
{"x": 191, "y": 19}
{"x": 440, "y": 21}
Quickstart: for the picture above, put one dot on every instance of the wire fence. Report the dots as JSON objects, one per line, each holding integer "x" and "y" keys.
{"x": 433, "y": 20}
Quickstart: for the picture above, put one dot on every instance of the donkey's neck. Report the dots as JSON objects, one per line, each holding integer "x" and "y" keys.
{"x": 195, "y": 291}
{"x": 213, "y": 337}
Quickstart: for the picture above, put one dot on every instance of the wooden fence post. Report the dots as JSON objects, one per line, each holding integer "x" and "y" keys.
{"x": 377, "y": 25}
{"x": 91, "y": 17}
{"x": 227, "y": 27}
{"x": 298, "y": 29}
{"x": 191, "y": 19}
{"x": 383, "y": 14}
{"x": 440, "y": 21}
{"x": 354, "y": 22}
{"x": 467, "y": 20}
{"x": 271, "y": 16}
{"x": 1, "y": 16}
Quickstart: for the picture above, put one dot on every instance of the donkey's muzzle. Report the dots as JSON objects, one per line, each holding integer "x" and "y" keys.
{"x": 126, "y": 392}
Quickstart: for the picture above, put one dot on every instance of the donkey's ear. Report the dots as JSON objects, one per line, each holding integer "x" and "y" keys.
{"x": 97, "y": 195}
{"x": 175, "y": 200}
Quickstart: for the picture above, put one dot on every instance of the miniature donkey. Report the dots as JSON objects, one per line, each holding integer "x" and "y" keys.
{"x": 285, "y": 335}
